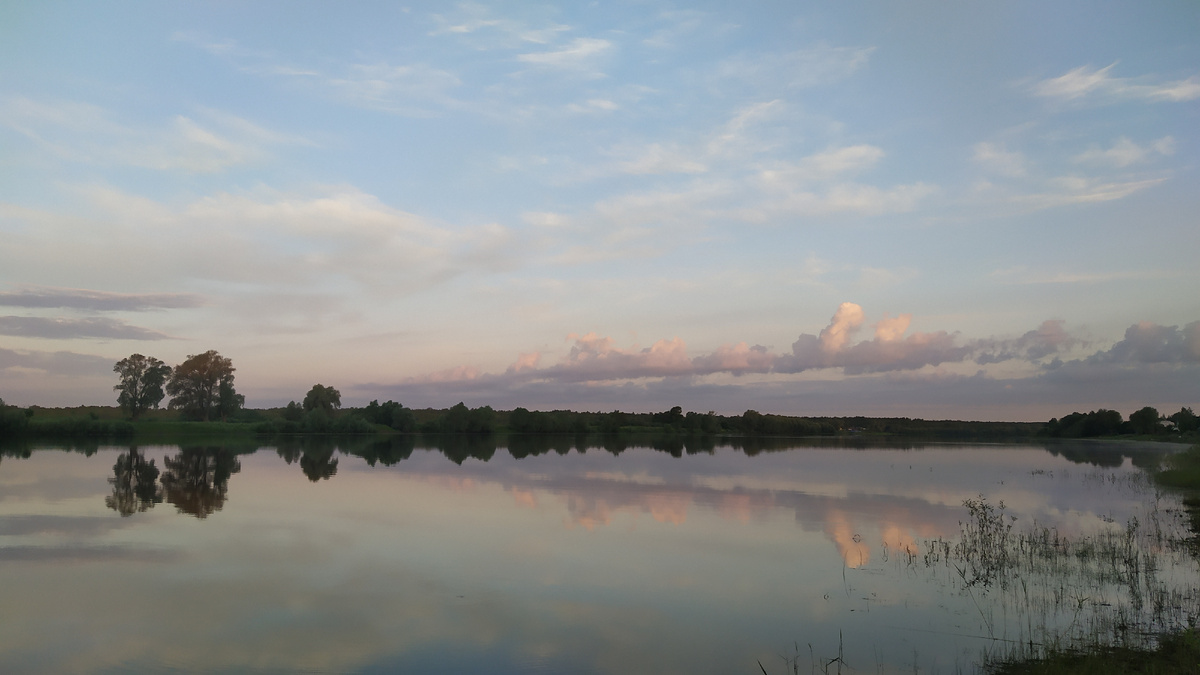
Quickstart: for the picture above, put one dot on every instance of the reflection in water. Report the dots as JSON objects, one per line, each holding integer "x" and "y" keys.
{"x": 135, "y": 484}
{"x": 671, "y": 556}
{"x": 318, "y": 464}
{"x": 196, "y": 480}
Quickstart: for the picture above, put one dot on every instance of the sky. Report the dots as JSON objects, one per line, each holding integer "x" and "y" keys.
{"x": 926, "y": 209}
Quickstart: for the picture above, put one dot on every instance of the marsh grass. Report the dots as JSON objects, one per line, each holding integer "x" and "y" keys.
{"x": 1043, "y": 596}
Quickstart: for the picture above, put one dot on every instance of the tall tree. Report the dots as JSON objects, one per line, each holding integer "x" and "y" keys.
{"x": 325, "y": 398}
{"x": 1144, "y": 421}
{"x": 141, "y": 385}
{"x": 199, "y": 384}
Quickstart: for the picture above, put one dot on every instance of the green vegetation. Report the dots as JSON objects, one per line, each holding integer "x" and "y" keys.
{"x": 1175, "y": 654}
{"x": 1182, "y": 470}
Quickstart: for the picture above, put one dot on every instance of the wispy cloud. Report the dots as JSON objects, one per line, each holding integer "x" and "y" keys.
{"x": 818, "y": 65}
{"x": 57, "y": 364}
{"x": 83, "y": 132}
{"x": 582, "y": 54}
{"x": 412, "y": 89}
{"x": 996, "y": 158}
{"x": 1125, "y": 152}
{"x": 69, "y": 329}
{"x": 1099, "y": 83}
{"x": 293, "y": 250}
{"x": 104, "y": 301}
{"x": 488, "y": 30}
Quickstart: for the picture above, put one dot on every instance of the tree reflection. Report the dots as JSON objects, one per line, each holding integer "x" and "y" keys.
{"x": 318, "y": 463}
{"x": 135, "y": 484}
{"x": 196, "y": 480}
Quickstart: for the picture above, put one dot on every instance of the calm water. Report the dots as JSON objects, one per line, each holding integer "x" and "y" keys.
{"x": 384, "y": 558}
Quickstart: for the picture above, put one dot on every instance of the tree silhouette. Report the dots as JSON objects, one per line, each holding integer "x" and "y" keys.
{"x": 325, "y": 398}
{"x": 201, "y": 384}
{"x": 135, "y": 484}
{"x": 141, "y": 385}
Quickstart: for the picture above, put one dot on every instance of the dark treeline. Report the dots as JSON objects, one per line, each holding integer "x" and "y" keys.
{"x": 321, "y": 412}
{"x": 1144, "y": 422}
{"x": 459, "y": 419}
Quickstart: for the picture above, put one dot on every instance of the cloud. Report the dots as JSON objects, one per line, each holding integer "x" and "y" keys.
{"x": 887, "y": 351}
{"x": 69, "y": 364}
{"x": 262, "y": 241}
{"x": 594, "y": 359}
{"x": 1088, "y": 82}
{"x": 582, "y": 54}
{"x": 101, "y": 301}
{"x": 69, "y": 329}
{"x": 822, "y": 166}
{"x": 891, "y": 372}
{"x": 657, "y": 159}
{"x": 995, "y": 158}
{"x": 1067, "y": 190}
{"x": 86, "y": 133}
{"x": 390, "y": 87}
{"x": 410, "y": 89}
{"x": 1125, "y": 152}
{"x": 487, "y": 31}
{"x": 737, "y": 359}
{"x": 1150, "y": 343}
{"x": 818, "y": 65}
{"x": 1046, "y": 340}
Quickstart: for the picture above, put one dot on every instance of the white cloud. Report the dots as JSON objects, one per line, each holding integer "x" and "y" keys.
{"x": 488, "y": 31}
{"x": 657, "y": 159}
{"x": 814, "y": 66}
{"x": 1125, "y": 152}
{"x": 86, "y": 133}
{"x": 410, "y": 89}
{"x": 582, "y": 54}
{"x": 325, "y": 241}
{"x": 1086, "y": 81}
{"x": 995, "y": 158}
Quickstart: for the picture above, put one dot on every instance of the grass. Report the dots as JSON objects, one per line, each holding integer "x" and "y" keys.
{"x": 1183, "y": 470}
{"x": 1174, "y": 652}
{"x": 1178, "y": 653}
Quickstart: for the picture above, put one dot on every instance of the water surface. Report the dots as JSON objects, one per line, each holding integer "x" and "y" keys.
{"x": 385, "y": 557}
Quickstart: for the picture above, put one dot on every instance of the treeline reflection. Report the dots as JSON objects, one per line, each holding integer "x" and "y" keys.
{"x": 195, "y": 479}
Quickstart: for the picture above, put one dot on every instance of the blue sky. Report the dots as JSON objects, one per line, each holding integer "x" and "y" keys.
{"x": 933, "y": 210}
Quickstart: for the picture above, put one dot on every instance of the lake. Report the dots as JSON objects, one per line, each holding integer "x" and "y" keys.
{"x": 534, "y": 556}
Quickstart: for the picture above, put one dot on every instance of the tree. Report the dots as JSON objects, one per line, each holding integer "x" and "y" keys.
{"x": 198, "y": 384}
{"x": 228, "y": 400}
{"x": 1144, "y": 421}
{"x": 1185, "y": 420}
{"x": 325, "y": 398}
{"x": 141, "y": 385}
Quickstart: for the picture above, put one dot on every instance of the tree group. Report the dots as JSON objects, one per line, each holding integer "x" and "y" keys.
{"x": 1145, "y": 422}
{"x": 201, "y": 387}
